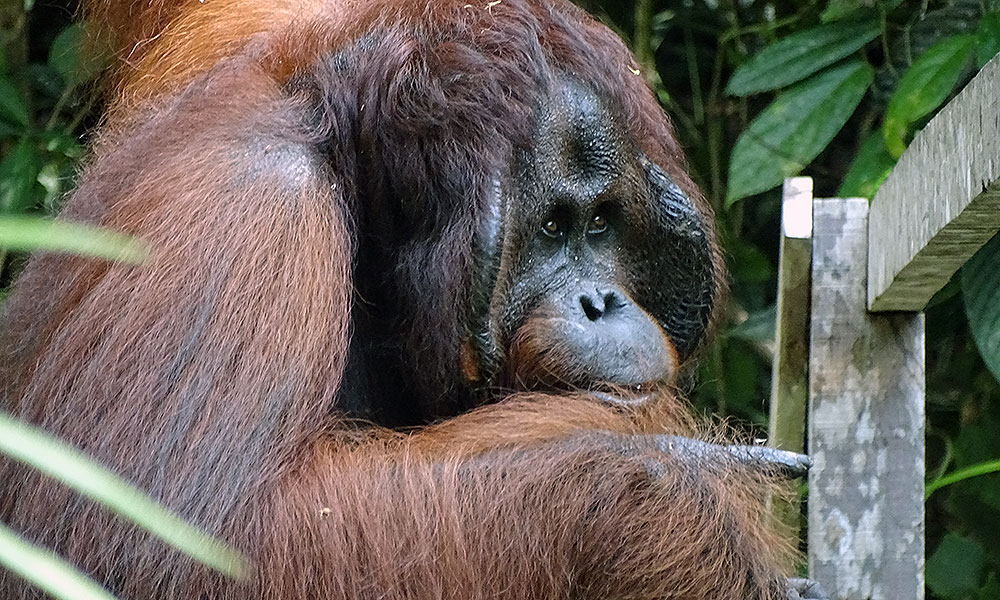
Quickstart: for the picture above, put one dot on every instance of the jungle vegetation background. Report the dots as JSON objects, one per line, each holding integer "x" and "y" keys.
{"x": 758, "y": 90}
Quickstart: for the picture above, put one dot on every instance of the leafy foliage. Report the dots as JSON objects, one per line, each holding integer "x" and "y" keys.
{"x": 43, "y": 106}
{"x": 759, "y": 90}
{"x": 981, "y": 292}
{"x": 797, "y": 56}
{"x": 956, "y": 567}
{"x": 870, "y": 167}
{"x": 794, "y": 129}
{"x": 924, "y": 86}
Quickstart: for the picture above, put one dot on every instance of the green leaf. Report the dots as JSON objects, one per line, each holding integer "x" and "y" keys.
{"x": 924, "y": 86}
{"x": 981, "y": 293}
{"x": 987, "y": 39}
{"x": 13, "y": 106}
{"x": 19, "y": 178}
{"x": 800, "y": 55}
{"x": 32, "y": 233}
{"x": 956, "y": 567}
{"x": 795, "y": 128}
{"x": 76, "y": 61}
{"x": 838, "y": 9}
{"x": 56, "y": 459}
{"x": 46, "y": 571}
{"x": 868, "y": 170}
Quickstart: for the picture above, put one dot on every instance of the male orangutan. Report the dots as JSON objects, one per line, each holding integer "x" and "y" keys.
{"x": 422, "y": 273}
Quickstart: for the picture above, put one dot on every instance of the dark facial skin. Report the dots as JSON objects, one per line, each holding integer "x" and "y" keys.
{"x": 605, "y": 277}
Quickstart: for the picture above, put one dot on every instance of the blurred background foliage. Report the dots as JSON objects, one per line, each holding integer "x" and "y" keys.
{"x": 758, "y": 90}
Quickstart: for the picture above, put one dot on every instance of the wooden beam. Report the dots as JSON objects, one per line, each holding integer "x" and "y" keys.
{"x": 941, "y": 202}
{"x": 790, "y": 369}
{"x": 866, "y": 423}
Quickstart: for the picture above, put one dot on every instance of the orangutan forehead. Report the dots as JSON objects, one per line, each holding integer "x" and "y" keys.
{"x": 578, "y": 133}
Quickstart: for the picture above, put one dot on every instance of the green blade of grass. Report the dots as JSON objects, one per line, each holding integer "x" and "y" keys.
{"x": 52, "y": 457}
{"x": 34, "y": 233}
{"x": 46, "y": 571}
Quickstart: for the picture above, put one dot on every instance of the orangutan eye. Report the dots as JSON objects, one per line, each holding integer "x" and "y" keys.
{"x": 598, "y": 224}
{"x": 552, "y": 228}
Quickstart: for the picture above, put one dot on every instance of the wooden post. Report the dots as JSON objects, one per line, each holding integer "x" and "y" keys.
{"x": 866, "y": 423}
{"x": 941, "y": 202}
{"x": 790, "y": 369}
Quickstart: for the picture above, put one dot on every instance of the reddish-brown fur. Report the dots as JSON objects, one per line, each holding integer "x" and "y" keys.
{"x": 207, "y": 376}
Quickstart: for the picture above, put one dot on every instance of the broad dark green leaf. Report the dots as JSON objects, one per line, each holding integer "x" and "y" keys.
{"x": 795, "y": 128}
{"x": 956, "y": 567}
{"x": 946, "y": 20}
{"x": 981, "y": 292}
{"x": 13, "y": 107}
{"x": 924, "y": 86}
{"x": 870, "y": 167}
{"x": 32, "y": 233}
{"x": 74, "y": 60}
{"x": 19, "y": 189}
{"x": 838, "y": 9}
{"x": 800, "y": 55}
{"x": 987, "y": 38}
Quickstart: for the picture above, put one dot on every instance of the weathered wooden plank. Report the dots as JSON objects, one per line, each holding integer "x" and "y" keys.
{"x": 941, "y": 202}
{"x": 790, "y": 369}
{"x": 866, "y": 423}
